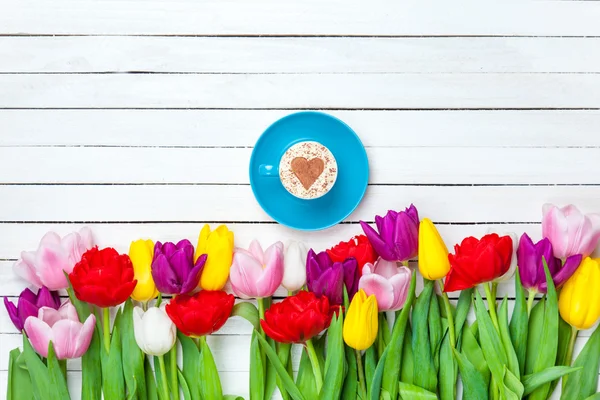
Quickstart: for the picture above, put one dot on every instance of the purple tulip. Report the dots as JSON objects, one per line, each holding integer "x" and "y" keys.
{"x": 398, "y": 236}
{"x": 29, "y": 304}
{"x": 531, "y": 267}
{"x": 324, "y": 277}
{"x": 173, "y": 267}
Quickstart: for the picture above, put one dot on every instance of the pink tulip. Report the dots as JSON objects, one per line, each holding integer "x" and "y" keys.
{"x": 69, "y": 337}
{"x": 54, "y": 255}
{"x": 570, "y": 231}
{"x": 388, "y": 282}
{"x": 257, "y": 274}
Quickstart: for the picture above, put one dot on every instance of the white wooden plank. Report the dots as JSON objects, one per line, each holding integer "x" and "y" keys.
{"x": 222, "y": 203}
{"x": 292, "y": 54}
{"x": 15, "y": 237}
{"x": 238, "y": 17}
{"x": 432, "y": 165}
{"x": 189, "y": 128}
{"x": 380, "y": 91}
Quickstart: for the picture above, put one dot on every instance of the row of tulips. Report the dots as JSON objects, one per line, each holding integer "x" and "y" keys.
{"x": 352, "y": 309}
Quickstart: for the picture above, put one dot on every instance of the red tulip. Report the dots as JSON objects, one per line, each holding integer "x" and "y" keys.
{"x": 478, "y": 261}
{"x": 202, "y": 313}
{"x": 297, "y": 318}
{"x": 103, "y": 277}
{"x": 358, "y": 247}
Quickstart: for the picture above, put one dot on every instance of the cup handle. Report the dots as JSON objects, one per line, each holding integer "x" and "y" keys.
{"x": 268, "y": 170}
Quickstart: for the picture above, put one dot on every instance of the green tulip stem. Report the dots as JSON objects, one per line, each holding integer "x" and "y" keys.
{"x": 569, "y": 356}
{"x": 451, "y": 328}
{"x": 174, "y": 381}
{"x": 530, "y": 301}
{"x": 290, "y": 293}
{"x": 492, "y": 305}
{"x": 261, "y": 312}
{"x": 159, "y": 300}
{"x": 106, "y": 328}
{"x": 163, "y": 375}
{"x": 314, "y": 360}
{"x": 494, "y": 290}
{"x": 361, "y": 375}
{"x": 63, "y": 367}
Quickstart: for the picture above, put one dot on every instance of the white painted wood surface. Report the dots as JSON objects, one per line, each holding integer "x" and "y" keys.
{"x": 137, "y": 118}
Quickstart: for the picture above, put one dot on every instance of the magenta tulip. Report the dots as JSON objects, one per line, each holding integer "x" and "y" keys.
{"x": 29, "y": 304}
{"x": 388, "y": 282}
{"x": 69, "y": 337}
{"x": 257, "y": 274}
{"x": 47, "y": 265}
{"x": 570, "y": 231}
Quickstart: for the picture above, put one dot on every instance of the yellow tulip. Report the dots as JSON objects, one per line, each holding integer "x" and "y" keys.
{"x": 433, "y": 253}
{"x": 141, "y": 253}
{"x": 361, "y": 323}
{"x": 579, "y": 300}
{"x": 218, "y": 245}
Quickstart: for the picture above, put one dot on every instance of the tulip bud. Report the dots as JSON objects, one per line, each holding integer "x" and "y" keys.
{"x": 579, "y": 301}
{"x": 361, "y": 323}
{"x": 141, "y": 253}
{"x": 256, "y": 273}
{"x": 218, "y": 246}
{"x": 154, "y": 331}
{"x": 294, "y": 266}
{"x": 433, "y": 253}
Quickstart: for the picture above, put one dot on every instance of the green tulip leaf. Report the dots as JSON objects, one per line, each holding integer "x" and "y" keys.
{"x": 472, "y": 351}
{"x": 151, "y": 388}
{"x": 284, "y": 354}
{"x": 187, "y": 395}
{"x": 512, "y": 385}
{"x": 286, "y": 380}
{"x": 491, "y": 344}
{"x": 159, "y": 379}
{"x": 511, "y": 355}
{"x": 41, "y": 385}
{"x": 434, "y": 320}
{"x": 191, "y": 363}
{"x": 113, "y": 381}
{"x": 564, "y": 336}
{"x": 248, "y": 311}
{"x": 425, "y": 375}
{"x": 533, "y": 381}
{"x": 548, "y": 338}
{"x": 519, "y": 324}
{"x": 58, "y": 379}
{"x": 305, "y": 381}
{"x": 232, "y": 397}
{"x": 387, "y": 372}
{"x": 333, "y": 377}
{"x": 350, "y": 389}
{"x": 133, "y": 391}
{"x": 448, "y": 367}
{"x": 583, "y": 383}
{"x": 210, "y": 383}
{"x": 462, "y": 311}
{"x": 271, "y": 374}
{"x": 413, "y": 392}
{"x": 132, "y": 355}
{"x": 594, "y": 397}
{"x": 370, "y": 363}
{"x": 19, "y": 381}
{"x": 406, "y": 364}
{"x": 257, "y": 370}
{"x": 475, "y": 385}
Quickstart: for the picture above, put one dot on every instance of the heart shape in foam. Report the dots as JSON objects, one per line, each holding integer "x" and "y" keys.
{"x": 307, "y": 171}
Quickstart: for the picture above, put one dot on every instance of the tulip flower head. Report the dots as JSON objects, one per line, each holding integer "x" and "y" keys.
{"x": 513, "y": 260}
{"x": 433, "y": 253}
{"x": 297, "y": 318}
{"x": 579, "y": 300}
{"x": 361, "y": 322}
{"x": 324, "y": 277}
{"x": 173, "y": 267}
{"x": 257, "y": 274}
{"x": 294, "y": 266}
{"x": 69, "y": 337}
{"x": 570, "y": 231}
{"x": 55, "y": 255}
{"x": 388, "y": 282}
{"x": 200, "y": 314}
{"x": 358, "y": 247}
{"x": 141, "y": 253}
{"x": 531, "y": 264}
{"x": 29, "y": 304}
{"x": 218, "y": 246}
{"x": 396, "y": 238}
{"x": 154, "y": 331}
{"x": 103, "y": 277}
{"x": 477, "y": 261}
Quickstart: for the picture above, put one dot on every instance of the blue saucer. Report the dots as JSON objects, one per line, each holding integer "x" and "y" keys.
{"x": 340, "y": 201}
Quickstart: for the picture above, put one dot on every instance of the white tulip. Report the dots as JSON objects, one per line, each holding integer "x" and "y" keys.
{"x": 294, "y": 262}
{"x": 155, "y": 333}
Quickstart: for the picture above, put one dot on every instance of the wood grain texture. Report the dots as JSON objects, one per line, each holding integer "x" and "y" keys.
{"x": 260, "y": 91}
{"x": 241, "y": 128}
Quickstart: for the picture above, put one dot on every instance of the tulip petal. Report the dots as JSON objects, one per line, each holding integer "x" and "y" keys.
{"x": 385, "y": 268}
{"x": 68, "y": 311}
{"x": 138, "y": 328}
{"x": 257, "y": 251}
{"x": 165, "y": 278}
{"x": 401, "y": 283}
{"x": 272, "y": 275}
{"x": 193, "y": 276}
{"x": 13, "y": 314}
{"x": 39, "y": 334}
{"x": 51, "y": 264}
{"x": 377, "y": 242}
{"x": 245, "y": 273}
{"x": 26, "y": 270}
{"x": 380, "y": 287}
{"x": 65, "y": 333}
{"x": 84, "y": 337}
{"x": 568, "y": 269}
{"x": 25, "y": 309}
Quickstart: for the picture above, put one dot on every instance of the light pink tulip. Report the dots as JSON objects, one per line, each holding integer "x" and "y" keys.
{"x": 570, "y": 231}
{"x": 257, "y": 274}
{"x": 388, "y": 282}
{"x": 54, "y": 255}
{"x": 69, "y": 337}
